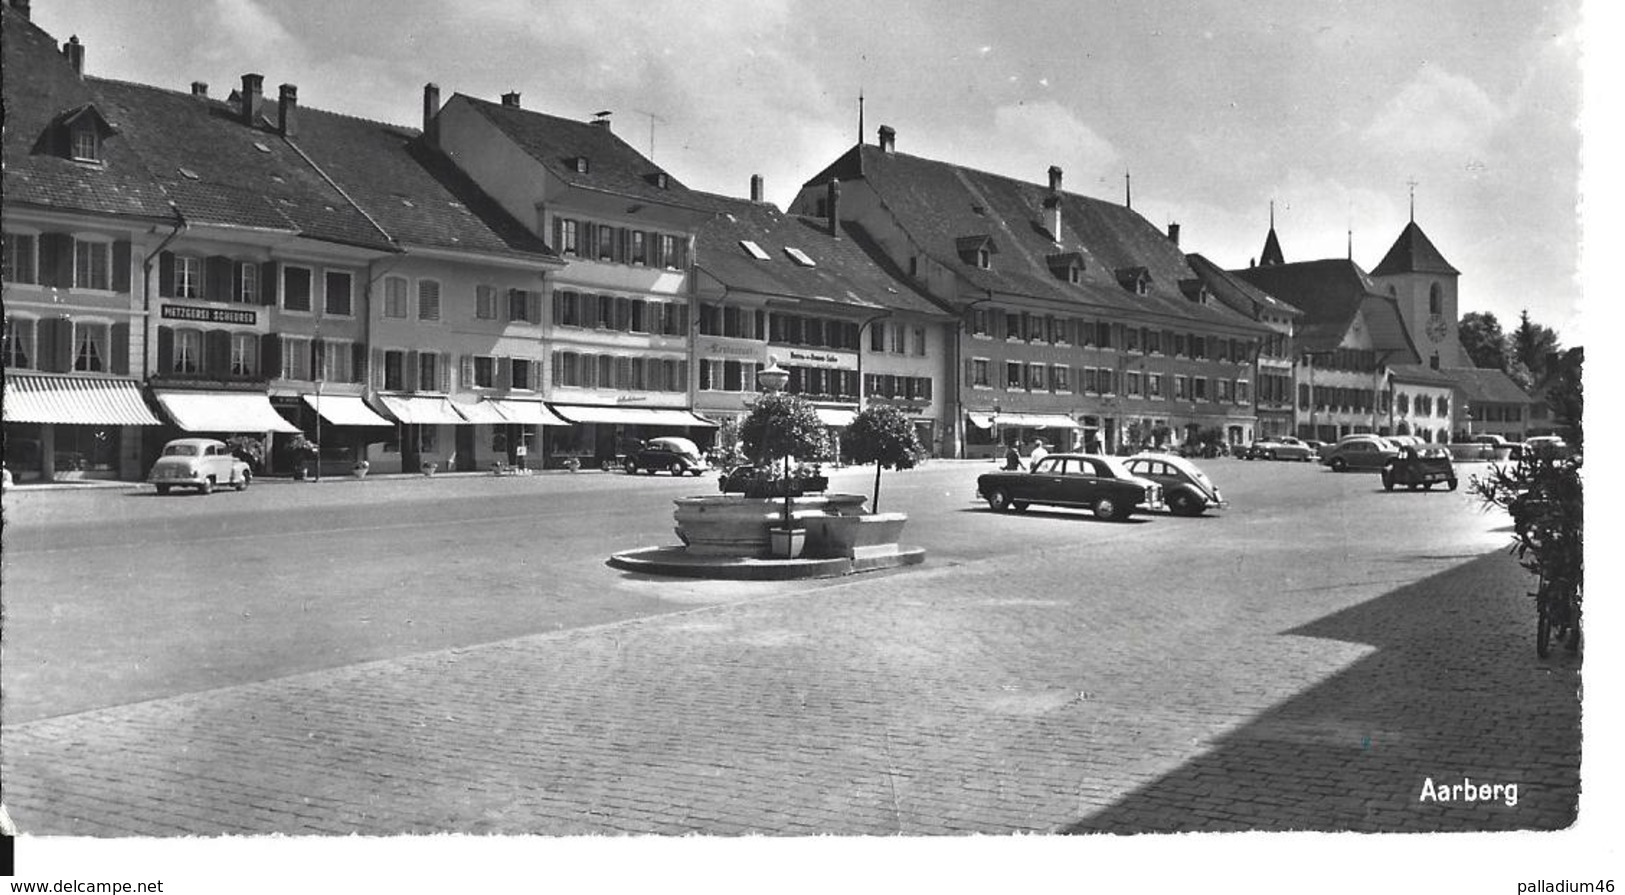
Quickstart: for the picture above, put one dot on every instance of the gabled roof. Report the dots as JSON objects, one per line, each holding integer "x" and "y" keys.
{"x": 222, "y": 170}
{"x": 1331, "y": 293}
{"x": 1487, "y": 385}
{"x": 556, "y": 143}
{"x": 1422, "y": 374}
{"x": 938, "y": 203}
{"x": 1413, "y": 252}
{"x": 413, "y": 192}
{"x": 847, "y": 271}
{"x": 1236, "y": 292}
{"x": 41, "y": 90}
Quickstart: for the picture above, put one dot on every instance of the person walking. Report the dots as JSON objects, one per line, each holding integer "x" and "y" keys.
{"x": 1012, "y": 458}
{"x": 1038, "y": 453}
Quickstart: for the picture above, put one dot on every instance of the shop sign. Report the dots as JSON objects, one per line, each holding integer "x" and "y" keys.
{"x": 821, "y": 359}
{"x": 209, "y": 315}
{"x": 746, "y": 351}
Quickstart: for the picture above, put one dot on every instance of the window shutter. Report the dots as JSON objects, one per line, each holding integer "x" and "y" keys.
{"x": 271, "y": 355}
{"x": 166, "y": 274}
{"x": 121, "y": 265}
{"x": 216, "y": 353}
{"x": 378, "y": 369}
{"x": 268, "y": 281}
{"x": 466, "y": 371}
{"x": 318, "y": 358}
{"x": 56, "y": 260}
{"x": 558, "y": 307}
{"x": 533, "y": 306}
{"x": 657, "y": 250}
{"x": 166, "y": 350}
{"x": 119, "y": 349}
{"x": 445, "y": 371}
{"x": 358, "y": 364}
{"x": 588, "y": 245}
{"x": 64, "y": 344}
{"x": 502, "y": 376}
{"x": 558, "y": 367}
{"x": 217, "y": 278}
{"x": 410, "y": 372}
{"x": 623, "y": 245}
{"x": 682, "y": 317}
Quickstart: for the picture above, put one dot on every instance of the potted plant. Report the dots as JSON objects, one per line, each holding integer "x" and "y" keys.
{"x": 778, "y": 428}
{"x": 360, "y": 468}
{"x": 428, "y": 467}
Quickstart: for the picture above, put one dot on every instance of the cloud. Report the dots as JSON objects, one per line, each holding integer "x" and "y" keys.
{"x": 1023, "y": 139}
{"x": 1436, "y": 112}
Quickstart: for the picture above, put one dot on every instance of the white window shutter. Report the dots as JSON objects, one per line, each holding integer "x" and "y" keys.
{"x": 445, "y": 371}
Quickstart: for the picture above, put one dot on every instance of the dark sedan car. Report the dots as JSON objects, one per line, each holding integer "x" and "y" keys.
{"x": 1420, "y": 467}
{"x": 674, "y": 455}
{"x": 1185, "y": 488}
{"x": 1101, "y": 484}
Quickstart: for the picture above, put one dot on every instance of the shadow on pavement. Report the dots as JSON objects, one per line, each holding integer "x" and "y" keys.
{"x": 1452, "y": 694}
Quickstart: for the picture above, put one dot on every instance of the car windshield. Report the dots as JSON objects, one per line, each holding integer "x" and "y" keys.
{"x": 180, "y": 450}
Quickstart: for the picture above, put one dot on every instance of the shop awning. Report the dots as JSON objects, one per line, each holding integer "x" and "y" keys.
{"x": 222, "y": 411}
{"x": 630, "y": 416}
{"x": 1036, "y": 420}
{"x": 980, "y": 420}
{"x": 76, "y": 400}
{"x": 527, "y": 413}
{"x": 831, "y": 416}
{"x": 480, "y": 412}
{"x": 345, "y": 410}
{"x": 421, "y": 410}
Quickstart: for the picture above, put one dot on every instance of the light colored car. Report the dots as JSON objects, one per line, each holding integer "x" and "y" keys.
{"x": 1283, "y": 448}
{"x": 1358, "y": 452}
{"x": 1185, "y": 489}
{"x": 200, "y": 463}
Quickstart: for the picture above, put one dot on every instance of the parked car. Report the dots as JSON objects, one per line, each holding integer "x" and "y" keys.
{"x": 674, "y": 455}
{"x": 1358, "y": 452}
{"x": 1100, "y": 484}
{"x": 1284, "y": 448}
{"x": 1404, "y": 441}
{"x": 1185, "y": 489}
{"x": 1420, "y": 467}
{"x": 201, "y": 463}
{"x": 1546, "y": 444}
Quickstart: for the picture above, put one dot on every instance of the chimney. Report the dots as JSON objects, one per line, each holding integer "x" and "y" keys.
{"x": 75, "y": 54}
{"x": 287, "y": 110}
{"x": 511, "y": 99}
{"x": 200, "y": 90}
{"x": 22, "y": 8}
{"x": 888, "y": 139}
{"x": 601, "y": 119}
{"x": 1054, "y": 178}
{"x": 250, "y": 98}
{"x": 431, "y": 114}
{"x": 834, "y": 207}
{"x": 756, "y": 188}
{"x": 1173, "y": 233}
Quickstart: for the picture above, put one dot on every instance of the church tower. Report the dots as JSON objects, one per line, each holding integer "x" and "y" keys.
{"x": 1416, "y": 274}
{"x": 1271, "y": 256}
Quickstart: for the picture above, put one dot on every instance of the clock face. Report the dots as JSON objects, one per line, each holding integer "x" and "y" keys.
{"x": 1437, "y": 329}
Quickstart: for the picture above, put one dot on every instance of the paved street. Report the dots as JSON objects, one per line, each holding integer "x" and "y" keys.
{"x": 414, "y": 655}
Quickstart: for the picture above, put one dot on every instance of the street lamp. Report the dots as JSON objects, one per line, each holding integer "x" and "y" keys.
{"x": 772, "y": 379}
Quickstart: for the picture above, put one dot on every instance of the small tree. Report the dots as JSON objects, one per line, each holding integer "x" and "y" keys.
{"x": 779, "y": 427}
{"x": 882, "y": 435}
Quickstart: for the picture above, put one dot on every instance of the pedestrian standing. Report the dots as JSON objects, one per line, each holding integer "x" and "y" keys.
{"x": 1039, "y": 453}
{"x": 1012, "y": 458}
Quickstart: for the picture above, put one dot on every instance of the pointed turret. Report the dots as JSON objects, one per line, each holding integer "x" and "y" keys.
{"x": 1271, "y": 255}
{"x": 1413, "y": 252}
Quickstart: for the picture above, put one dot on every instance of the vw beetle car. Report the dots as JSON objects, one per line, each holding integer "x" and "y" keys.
{"x": 1420, "y": 467}
{"x": 200, "y": 463}
{"x": 672, "y": 454}
{"x": 1101, "y": 484}
{"x": 1185, "y": 489}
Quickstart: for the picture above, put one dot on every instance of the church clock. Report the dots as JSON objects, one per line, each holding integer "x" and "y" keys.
{"x": 1437, "y": 329}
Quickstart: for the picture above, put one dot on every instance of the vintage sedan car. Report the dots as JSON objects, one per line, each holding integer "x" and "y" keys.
{"x": 1185, "y": 489}
{"x": 1283, "y": 448}
{"x": 1100, "y": 484}
{"x": 200, "y": 463}
{"x": 1420, "y": 467}
{"x": 1358, "y": 452}
{"x": 1546, "y": 445}
{"x": 672, "y": 454}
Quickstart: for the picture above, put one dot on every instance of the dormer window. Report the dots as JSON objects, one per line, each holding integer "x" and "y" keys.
{"x": 579, "y": 164}
{"x": 660, "y": 179}
{"x": 79, "y": 134}
{"x": 1067, "y": 266}
{"x": 977, "y": 250}
{"x": 86, "y": 144}
{"x": 1135, "y": 279}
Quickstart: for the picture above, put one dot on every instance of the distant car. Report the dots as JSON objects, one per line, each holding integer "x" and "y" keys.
{"x": 674, "y": 455}
{"x": 1546, "y": 444}
{"x": 1358, "y": 452}
{"x": 1185, "y": 489}
{"x": 1100, "y": 484}
{"x": 1404, "y": 441}
{"x": 1284, "y": 448}
{"x": 200, "y": 463}
{"x": 1420, "y": 467}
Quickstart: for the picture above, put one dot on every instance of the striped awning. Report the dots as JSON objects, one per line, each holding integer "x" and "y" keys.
{"x": 204, "y": 411}
{"x": 76, "y": 400}
{"x": 526, "y": 413}
{"x": 630, "y": 416}
{"x": 345, "y": 410}
{"x": 422, "y": 410}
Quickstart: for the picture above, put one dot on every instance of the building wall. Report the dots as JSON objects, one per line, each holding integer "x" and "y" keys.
{"x": 1431, "y": 336}
{"x": 1423, "y": 410}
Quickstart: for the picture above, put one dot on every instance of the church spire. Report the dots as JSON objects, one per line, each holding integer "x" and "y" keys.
{"x": 1271, "y": 255}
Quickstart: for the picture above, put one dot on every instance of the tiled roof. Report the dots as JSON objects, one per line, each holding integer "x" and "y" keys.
{"x": 1422, "y": 374}
{"x": 612, "y": 165}
{"x": 220, "y": 170}
{"x": 414, "y": 193}
{"x": 1487, "y": 384}
{"x": 1331, "y": 293}
{"x": 940, "y": 204}
{"x": 849, "y": 270}
{"x": 1413, "y": 252}
{"x": 39, "y": 87}
{"x": 1237, "y": 292}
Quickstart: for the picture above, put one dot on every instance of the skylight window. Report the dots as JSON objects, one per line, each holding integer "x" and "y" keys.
{"x": 755, "y": 250}
{"x": 799, "y": 256}
{"x": 261, "y": 147}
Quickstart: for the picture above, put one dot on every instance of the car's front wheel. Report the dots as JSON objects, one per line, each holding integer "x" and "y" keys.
{"x": 242, "y": 483}
{"x": 1450, "y": 484}
{"x": 1339, "y": 464}
{"x": 207, "y": 487}
{"x": 1110, "y": 510}
{"x": 1184, "y": 503}
{"x": 1387, "y": 480}
{"x": 999, "y": 500}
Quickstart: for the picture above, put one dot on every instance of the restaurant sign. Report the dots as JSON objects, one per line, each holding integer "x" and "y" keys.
{"x": 209, "y": 315}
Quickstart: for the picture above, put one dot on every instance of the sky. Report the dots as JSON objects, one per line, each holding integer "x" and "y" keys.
{"x": 1335, "y": 112}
